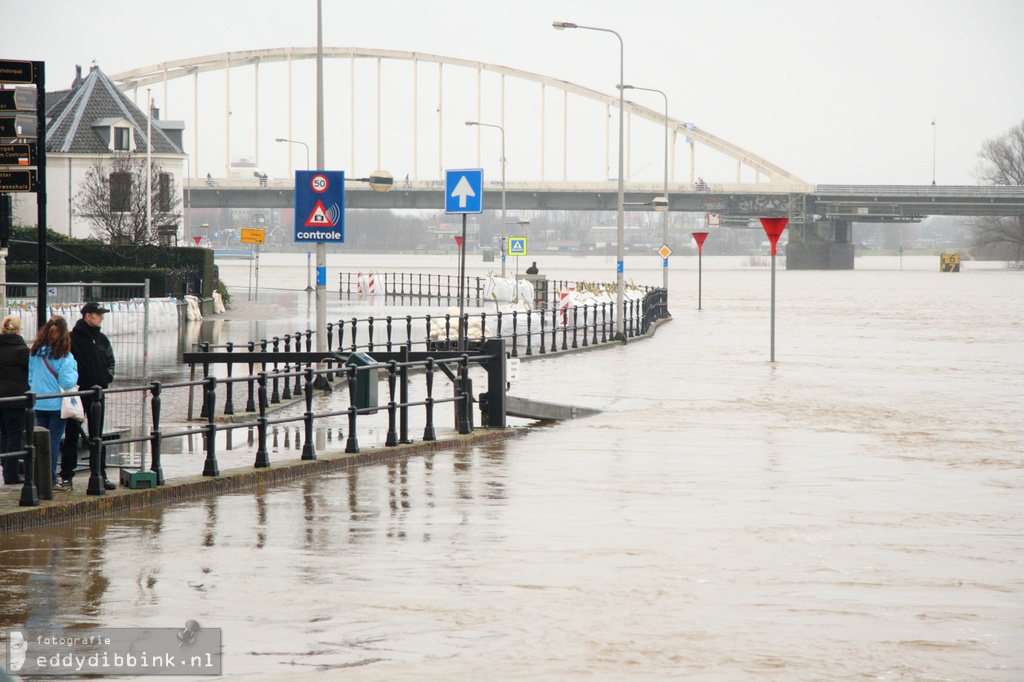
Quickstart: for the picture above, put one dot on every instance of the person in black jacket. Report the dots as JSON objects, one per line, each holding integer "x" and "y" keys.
{"x": 13, "y": 382}
{"x": 95, "y": 357}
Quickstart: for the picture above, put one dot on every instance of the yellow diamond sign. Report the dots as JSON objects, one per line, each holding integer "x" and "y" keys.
{"x": 664, "y": 251}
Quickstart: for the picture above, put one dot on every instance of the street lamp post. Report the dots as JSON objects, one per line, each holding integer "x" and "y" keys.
{"x": 659, "y": 206}
{"x": 502, "y": 130}
{"x": 284, "y": 139}
{"x": 621, "y": 228}
{"x": 933, "y": 150}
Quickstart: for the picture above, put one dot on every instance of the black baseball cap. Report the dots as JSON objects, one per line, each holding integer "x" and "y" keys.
{"x": 93, "y": 308}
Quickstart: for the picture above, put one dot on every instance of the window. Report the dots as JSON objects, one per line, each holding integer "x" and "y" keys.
{"x": 163, "y": 192}
{"x": 120, "y": 192}
{"x": 122, "y": 139}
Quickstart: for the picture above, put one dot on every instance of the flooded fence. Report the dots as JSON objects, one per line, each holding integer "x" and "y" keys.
{"x": 362, "y": 354}
{"x": 358, "y": 373}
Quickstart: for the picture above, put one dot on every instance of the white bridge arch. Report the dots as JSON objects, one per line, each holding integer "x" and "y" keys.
{"x": 160, "y": 75}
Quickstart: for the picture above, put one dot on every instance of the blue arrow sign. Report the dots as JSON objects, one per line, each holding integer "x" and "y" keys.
{"x": 464, "y": 191}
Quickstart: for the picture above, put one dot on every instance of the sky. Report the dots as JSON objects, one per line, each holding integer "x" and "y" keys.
{"x": 833, "y": 92}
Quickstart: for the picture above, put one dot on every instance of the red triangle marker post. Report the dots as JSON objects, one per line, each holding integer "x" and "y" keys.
{"x": 699, "y": 237}
{"x": 773, "y": 227}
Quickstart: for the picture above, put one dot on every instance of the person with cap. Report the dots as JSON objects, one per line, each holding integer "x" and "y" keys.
{"x": 95, "y": 358}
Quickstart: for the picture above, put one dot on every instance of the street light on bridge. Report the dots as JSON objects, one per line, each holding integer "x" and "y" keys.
{"x": 621, "y": 227}
{"x": 660, "y": 205}
{"x": 502, "y": 130}
{"x": 284, "y": 139}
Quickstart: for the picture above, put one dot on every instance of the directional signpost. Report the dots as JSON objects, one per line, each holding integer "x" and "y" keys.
{"x": 463, "y": 193}
{"x": 22, "y": 120}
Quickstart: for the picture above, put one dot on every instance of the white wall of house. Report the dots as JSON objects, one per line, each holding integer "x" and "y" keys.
{"x": 64, "y": 175}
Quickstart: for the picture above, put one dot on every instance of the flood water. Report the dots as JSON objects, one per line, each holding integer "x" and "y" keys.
{"x": 852, "y": 511}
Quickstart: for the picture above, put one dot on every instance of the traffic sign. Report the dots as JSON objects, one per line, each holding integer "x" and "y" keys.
{"x": 19, "y": 99}
{"x": 20, "y": 154}
{"x": 517, "y": 246}
{"x": 320, "y": 206}
{"x": 464, "y": 191}
{"x": 17, "y": 181}
{"x": 664, "y": 251}
{"x": 19, "y": 125}
{"x": 253, "y": 236}
{"x": 13, "y": 71}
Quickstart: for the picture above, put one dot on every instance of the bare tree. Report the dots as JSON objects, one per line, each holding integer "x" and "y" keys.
{"x": 112, "y": 196}
{"x": 1002, "y": 163}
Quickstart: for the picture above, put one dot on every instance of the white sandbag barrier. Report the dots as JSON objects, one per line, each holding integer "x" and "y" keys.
{"x": 125, "y": 317}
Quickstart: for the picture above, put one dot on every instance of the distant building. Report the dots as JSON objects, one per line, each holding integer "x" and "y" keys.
{"x": 86, "y": 124}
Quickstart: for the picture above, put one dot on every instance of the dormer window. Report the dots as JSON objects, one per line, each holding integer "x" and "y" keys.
{"x": 122, "y": 139}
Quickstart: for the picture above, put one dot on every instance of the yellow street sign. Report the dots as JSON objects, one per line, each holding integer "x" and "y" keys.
{"x": 253, "y": 236}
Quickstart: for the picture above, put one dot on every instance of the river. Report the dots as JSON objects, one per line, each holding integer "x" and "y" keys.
{"x": 852, "y": 511}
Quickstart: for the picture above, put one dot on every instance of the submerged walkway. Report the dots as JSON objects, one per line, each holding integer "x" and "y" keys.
{"x": 183, "y": 468}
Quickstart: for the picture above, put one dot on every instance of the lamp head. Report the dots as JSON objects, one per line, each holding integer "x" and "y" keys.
{"x": 562, "y": 25}
{"x": 626, "y": 87}
{"x": 472, "y": 123}
{"x": 380, "y": 181}
{"x": 280, "y": 139}
{"x": 660, "y": 204}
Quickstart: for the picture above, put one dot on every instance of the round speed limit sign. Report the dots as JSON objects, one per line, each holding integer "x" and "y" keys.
{"x": 319, "y": 183}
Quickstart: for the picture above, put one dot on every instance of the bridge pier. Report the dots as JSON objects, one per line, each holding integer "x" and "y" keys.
{"x": 821, "y": 245}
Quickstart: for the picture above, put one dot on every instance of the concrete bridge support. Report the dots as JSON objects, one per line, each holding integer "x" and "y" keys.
{"x": 822, "y": 245}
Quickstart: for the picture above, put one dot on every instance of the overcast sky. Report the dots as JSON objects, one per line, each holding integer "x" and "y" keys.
{"x": 834, "y": 92}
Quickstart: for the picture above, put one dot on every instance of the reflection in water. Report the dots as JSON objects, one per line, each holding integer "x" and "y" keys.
{"x": 850, "y": 512}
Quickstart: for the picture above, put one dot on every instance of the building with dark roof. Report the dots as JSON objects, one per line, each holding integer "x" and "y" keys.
{"x": 87, "y": 125}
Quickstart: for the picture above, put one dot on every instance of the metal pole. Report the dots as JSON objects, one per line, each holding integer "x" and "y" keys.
{"x": 321, "y": 248}
{"x": 462, "y": 282}
{"x": 621, "y": 228}
{"x": 773, "y": 309}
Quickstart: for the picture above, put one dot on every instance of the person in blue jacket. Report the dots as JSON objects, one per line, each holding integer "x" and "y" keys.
{"x": 51, "y": 367}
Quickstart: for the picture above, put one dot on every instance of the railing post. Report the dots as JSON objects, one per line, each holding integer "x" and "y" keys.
{"x": 392, "y": 437}
{"x": 330, "y": 343}
{"x": 206, "y": 408}
{"x": 250, "y": 401}
{"x": 554, "y": 330}
{"x": 276, "y": 396}
{"x": 29, "y": 492}
{"x": 604, "y": 322}
{"x": 286, "y": 394}
{"x": 403, "y": 396}
{"x": 95, "y": 485}
{"x": 594, "y": 341}
{"x": 529, "y": 332}
{"x": 262, "y": 456}
{"x": 575, "y": 324}
{"x": 466, "y": 405}
{"x": 369, "y": 331}
{"x": 543, "y": 347}
{"x": 308, "y": 447}
{"x": 428, "y": 430}
{"x": 298, "y": 366}
{"x": 210, "y": 467}
{"x": 352, "y": 444}
{"x": 515, "y": 333}
{"x": 354, "y": 347}
{"x": 388, "y": 329}
{"x": 229, "y": 406}
{"x": 157, "y": 439}
{"x": 426, "y": 319}
{"x": 565, "y": 328}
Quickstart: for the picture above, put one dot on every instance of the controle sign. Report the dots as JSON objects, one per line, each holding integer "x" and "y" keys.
{"x": 320, "y": 206}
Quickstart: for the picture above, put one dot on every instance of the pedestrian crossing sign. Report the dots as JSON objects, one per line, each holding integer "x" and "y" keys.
{"x": 517, "y": 246}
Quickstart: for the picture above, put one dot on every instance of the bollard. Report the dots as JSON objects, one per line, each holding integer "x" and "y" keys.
{"x": 428, "y": 431}
{"x": 229, "y": 407}
{"x": 29, "y": 494}
{"x": 210, "y": 467}
{"x": 155, "y": 466}
{"x": 392, "y": 437}
{"x": 352, "y": 444}
{"x": 95, "y": 416}
{"x": 262, "y": 456}
{"x": 308, "y": 448}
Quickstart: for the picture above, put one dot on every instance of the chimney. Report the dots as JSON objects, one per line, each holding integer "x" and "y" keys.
{"x": 154, "y": 112}
{"x": 78, "y": 76}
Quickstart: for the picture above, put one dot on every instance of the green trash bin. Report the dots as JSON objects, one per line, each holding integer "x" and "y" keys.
{"x": 366, "y": 380}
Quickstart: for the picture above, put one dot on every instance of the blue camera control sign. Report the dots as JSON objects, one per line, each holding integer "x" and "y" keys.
{"x": 320, "y": 206}
{"x": 464, "y": 190}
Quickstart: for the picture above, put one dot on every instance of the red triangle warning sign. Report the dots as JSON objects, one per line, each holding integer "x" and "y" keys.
{"x": 319, "y": 217}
